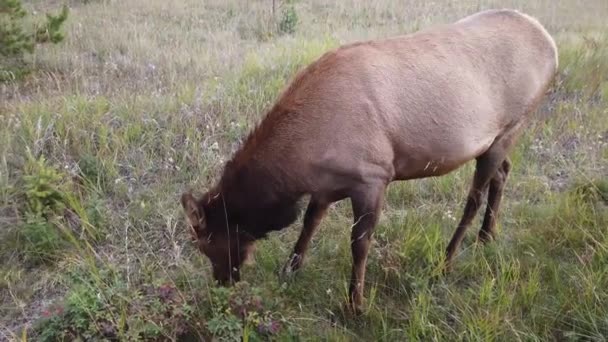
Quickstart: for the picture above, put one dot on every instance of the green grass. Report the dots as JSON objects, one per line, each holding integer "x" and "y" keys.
{"x": 145, "y": 99}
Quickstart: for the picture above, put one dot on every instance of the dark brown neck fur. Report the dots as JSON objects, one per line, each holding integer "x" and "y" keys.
{"x": 255, "y": 191}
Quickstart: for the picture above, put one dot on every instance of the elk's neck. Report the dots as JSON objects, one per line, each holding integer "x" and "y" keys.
{"x": 260, "y": 197}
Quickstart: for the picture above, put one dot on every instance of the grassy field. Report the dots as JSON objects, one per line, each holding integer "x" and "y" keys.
{"x": 146, "y": 98}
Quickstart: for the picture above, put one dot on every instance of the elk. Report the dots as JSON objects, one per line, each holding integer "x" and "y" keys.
{"x": 369, "y": 113}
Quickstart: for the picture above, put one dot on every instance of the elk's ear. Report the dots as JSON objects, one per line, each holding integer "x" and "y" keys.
{"x": 195, "y": 216}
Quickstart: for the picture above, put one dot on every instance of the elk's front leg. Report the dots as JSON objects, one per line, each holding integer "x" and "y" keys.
{"x": 314, "y": 214}
{"x": 366, "y": 210}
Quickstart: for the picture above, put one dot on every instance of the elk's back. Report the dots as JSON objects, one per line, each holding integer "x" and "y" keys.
{"x": 416, "y": 105}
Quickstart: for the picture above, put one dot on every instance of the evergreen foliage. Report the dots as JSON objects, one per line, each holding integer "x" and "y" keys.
{"x": 17, "y": 39}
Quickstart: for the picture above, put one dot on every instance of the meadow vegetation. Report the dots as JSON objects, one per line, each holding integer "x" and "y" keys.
{"x": 144, "y": 99}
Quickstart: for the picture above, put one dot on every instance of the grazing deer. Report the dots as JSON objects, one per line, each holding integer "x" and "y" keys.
{"x": 369, "y": 113}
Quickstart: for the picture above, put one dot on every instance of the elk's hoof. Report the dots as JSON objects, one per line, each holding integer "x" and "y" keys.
{"x": 352, "y": 310}
{"x": 291, "y": 266}
{"x": 484, "y": 237}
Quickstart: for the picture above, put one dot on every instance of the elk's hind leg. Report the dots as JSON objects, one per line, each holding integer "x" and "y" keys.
{"x": 485, "y": 169}
{"x": 495, "y": 191}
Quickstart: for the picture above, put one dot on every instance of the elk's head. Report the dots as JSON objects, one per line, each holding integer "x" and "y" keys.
{"x": 226, "y": 247}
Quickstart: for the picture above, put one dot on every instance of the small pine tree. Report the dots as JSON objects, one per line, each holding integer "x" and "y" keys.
{"x": 16, "y": 41}
{"x": 289, "y": 18}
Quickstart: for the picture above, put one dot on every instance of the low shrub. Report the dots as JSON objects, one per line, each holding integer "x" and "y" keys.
{"x": 17, "y": 40}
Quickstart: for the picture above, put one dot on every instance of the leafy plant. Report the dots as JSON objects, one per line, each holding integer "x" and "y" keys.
{"x": 104, "y": 307}
{"x": 240, "y": 312}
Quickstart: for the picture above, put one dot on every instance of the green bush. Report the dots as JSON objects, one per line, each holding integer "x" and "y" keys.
{"x": 43, "y": 194}
{"x": 54, "y": 216}
{"x": 39, "y": 240}
{"x": 39, "y": 237}
{"x": 16, "y": 41}
{"x": 289, "y": 20}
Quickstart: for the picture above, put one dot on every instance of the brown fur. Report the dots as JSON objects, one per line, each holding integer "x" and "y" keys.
{"x": 370, "y": 113}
